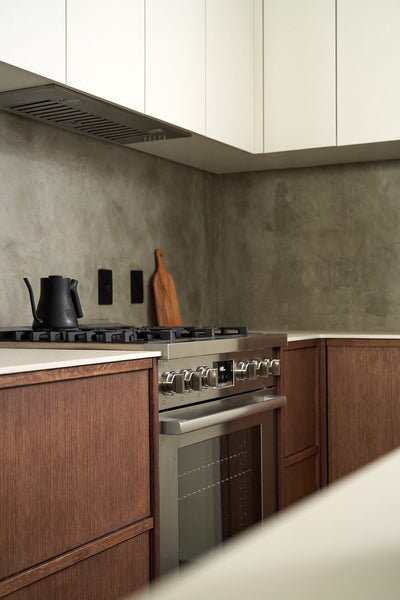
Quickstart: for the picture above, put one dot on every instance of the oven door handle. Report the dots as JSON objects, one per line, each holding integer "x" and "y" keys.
{"x": 193, "y": 418}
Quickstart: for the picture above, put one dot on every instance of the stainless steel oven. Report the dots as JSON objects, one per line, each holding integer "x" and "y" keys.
{"x": 218, "y": 472}
{"x": 220, "y": 439}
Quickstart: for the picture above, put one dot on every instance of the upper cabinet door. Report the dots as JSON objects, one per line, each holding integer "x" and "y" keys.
{"x": 105, "y": 50}
{"x": 32, "y": 36}
{"x": 234, "y": 73}
{"x": 299, "y": 74}
{"x": 175, "y": 62}
{"x": 368, "y": 81}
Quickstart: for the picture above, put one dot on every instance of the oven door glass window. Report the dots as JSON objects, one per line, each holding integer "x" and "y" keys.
{"x": 219, "y": 490}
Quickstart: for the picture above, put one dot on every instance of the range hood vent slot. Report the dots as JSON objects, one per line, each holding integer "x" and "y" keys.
{"x": 56, "y": 105}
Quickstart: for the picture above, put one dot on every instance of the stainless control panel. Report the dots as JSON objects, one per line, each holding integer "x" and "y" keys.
{"x": 196, "y": 379}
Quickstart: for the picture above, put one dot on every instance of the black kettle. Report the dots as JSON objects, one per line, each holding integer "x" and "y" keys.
{"x": 59, "y": 306}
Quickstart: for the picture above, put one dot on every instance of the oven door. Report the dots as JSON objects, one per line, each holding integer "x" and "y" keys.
{"x": 218, "y": 472}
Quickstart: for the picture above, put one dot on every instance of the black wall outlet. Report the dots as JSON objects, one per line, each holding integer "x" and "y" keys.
{"x": 105, "y": 286}
{"x": 136, "y": 287}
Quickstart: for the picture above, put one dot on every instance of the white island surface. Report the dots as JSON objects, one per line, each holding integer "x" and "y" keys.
{"x": 343, "y": 543}
{"x": 20, "y": 360}
{"x": 296, "y": 336}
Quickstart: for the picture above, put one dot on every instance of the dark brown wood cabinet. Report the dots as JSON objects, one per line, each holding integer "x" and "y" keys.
{"x": 78, "y": 481}
{"x": 113, "y": 573}
{"x": 363, "y": 401}
{"x": 303, "y": 419}
{"x": 342, "y": 412}
{"x": 301, "y": 478}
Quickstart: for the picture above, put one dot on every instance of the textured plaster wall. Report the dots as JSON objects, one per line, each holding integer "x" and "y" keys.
{"x": 71, "y": 205}
{"x": 314, "y": 248}
{"x": 289, "y": 250}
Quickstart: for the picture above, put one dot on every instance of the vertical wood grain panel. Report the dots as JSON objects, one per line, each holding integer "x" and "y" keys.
{"x": 363, "y": 405}
{"x": 108, "y": 575}
{"x": 74, "y": 464}
{"x": 323, "y": 414}
{"x": 300, "y": 480}
{"x": 154, "y": 472}
{"x": 304, "y": 418}
{"x": 299, "y": 373}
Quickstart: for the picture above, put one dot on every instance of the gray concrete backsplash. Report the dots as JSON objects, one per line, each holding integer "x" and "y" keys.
{"x": 315, "y": 248}
{"x": 71, "y": 205}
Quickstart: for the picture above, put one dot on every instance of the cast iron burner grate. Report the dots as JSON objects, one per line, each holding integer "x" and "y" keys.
{"x": 123, "y": 335}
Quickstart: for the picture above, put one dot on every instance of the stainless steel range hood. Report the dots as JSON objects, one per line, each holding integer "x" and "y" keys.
{"x": 62, "y": 107}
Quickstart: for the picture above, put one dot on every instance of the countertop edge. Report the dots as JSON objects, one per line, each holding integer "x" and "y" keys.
{"x": 313, "y": 335}
{"x": 23, "y": 360}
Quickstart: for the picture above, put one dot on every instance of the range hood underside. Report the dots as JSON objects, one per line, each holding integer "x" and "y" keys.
{"x": 62, "y": 107}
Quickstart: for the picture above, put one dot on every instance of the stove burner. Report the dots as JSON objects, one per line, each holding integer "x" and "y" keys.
{"x": 123, "y": 335}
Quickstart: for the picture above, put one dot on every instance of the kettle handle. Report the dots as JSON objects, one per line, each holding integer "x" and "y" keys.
{"x": 75, "y": 298}
{"x": 32, "y": 299}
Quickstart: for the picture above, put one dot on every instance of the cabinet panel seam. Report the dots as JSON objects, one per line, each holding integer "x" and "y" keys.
{"x": 72, "y": 557}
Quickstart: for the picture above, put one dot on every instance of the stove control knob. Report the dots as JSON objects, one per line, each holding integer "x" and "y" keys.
{"x": 246, "y": 370}
{"x": 275, "y": 366}
{"x": 172, "y": 383}
{"x": 209, "y": 377}
{"x": 240, "y": 370}
{"x": 212, "y": 377}
{"x": 251, "y": 370}
{"x": 263, "y": 368}
{"x": 192, "y": 380}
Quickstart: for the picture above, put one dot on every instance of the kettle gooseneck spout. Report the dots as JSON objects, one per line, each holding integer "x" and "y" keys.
{"x": 32, "y": 299}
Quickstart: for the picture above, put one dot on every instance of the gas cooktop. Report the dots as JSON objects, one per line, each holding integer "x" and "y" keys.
{"x": 122, "y": 334}
{"x": 172, "y": 342}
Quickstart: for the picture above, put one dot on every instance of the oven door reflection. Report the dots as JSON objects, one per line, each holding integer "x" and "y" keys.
{"x": 216, "y": 482}
{"x": 219, "y": 490}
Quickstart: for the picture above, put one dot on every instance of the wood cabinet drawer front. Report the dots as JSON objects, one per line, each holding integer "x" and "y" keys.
{"x": 74, "y": 464}
{"x": 106, "y": 576}
{"x": 363, "y": 405}
{"x": 299, "y": 373}
{"x": 300, "y": 480}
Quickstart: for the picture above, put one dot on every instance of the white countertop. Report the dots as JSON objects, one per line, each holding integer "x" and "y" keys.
{"x": 19, "y": 360}
{"x": 295, "y": 336}
{"x": 341, "y": 543}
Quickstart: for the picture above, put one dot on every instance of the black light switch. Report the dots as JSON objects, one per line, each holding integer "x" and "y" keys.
{"x": 105, "y": 286}
{"x": 136, "y": 287}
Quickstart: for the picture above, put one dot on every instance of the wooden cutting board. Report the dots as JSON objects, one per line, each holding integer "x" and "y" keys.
{"x": 166, "y": 300}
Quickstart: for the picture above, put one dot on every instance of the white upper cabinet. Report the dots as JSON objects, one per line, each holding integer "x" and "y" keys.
{"x": 175, "y": 62}
{"x": 234, "y": 100}
{"x": 105, "y": 50}
{"x": 368, "y": 73}
{"x": 299, "y": 74}
{"x": 32, "y": 36}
